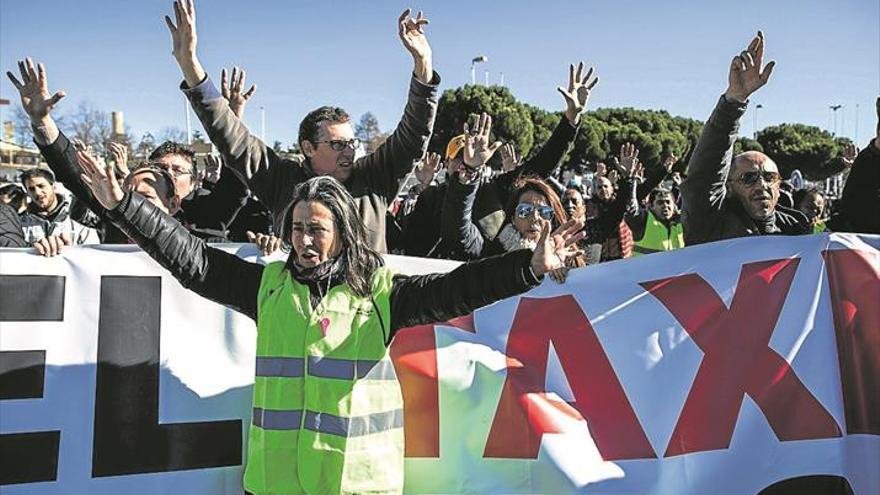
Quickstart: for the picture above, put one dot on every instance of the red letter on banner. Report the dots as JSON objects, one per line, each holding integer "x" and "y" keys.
{"x": 525, "y": 412}
{"x": 855, "y": 299}
{"x": 737, "y": 360}
{"x": 414, "y": 352}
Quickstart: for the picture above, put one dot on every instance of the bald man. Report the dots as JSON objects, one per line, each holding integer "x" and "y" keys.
{"x": 726, "y": 197}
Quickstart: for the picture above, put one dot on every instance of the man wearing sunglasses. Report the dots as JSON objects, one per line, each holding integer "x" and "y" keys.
{"x": 723, "y": 198}
{"x": 326, "y": 136}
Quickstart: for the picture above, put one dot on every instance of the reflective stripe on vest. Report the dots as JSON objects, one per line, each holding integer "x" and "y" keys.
{"x": 347, "y": 369}
{"x": 327, "y": 411}
{"x": 287, "y": 367}
{"x": 269, "y": 419}
{"x": 658, "y": 237}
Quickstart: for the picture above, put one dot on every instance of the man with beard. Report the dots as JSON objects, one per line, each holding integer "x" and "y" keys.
{"x": 658, "y": 227}
{"x": 49, "y": 212}
{"x": 724, "y": 198}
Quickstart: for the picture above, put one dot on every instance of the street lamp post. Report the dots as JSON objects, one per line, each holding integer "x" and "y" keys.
{"x": 474, "y": 62}
{"x": 834, "y": 109}
{"x": 757, "y": 107}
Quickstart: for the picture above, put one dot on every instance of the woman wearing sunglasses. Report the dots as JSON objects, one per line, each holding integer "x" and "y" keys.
{"x": 533, "y": 202}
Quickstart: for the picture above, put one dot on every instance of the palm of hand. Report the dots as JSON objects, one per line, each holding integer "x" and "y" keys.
{"x": 476, "y": 152}
{"x": 35, "y": 99}
{"x": 416, "y": 41}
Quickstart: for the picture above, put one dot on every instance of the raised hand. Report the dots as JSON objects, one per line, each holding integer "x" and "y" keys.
{"x": 34, "y": 91}
{"x": 578, "y": 93}
{"x": 477, "y": 150}
{"x": 99, "y": 178}
{"x": 120, "y": 156}
{"x": 184, "y": 41}
{"x": 267, "y": 243}
{"x": 747, "y": 71}
{"x": 428, "y": 168}
{"x": 233, "y": 91}
{"x": 601, "y": 170}
{"x": 510, "y": 160}
{"x": 553, "y": 249}
{"x": 416, "y": 43}
{"x": 213, "y": 168}
{"x": 628, "y": 164}
{"x": 669, "y": 162}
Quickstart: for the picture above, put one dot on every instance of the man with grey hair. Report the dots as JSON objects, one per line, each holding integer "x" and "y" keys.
{"x": 726, "y": 197}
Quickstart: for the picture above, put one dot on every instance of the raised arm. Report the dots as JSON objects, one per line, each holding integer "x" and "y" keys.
{"x": 544, "y": 162}
{"x": 265, "y": 173}
{"x": 459, "y": 233}
{"x": 209, "y": 272}
{"x": 710, "y": 162}
{"x": 395, "y": 158}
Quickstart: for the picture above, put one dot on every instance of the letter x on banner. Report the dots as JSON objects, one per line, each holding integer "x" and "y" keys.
{"x": 750, "y": 366}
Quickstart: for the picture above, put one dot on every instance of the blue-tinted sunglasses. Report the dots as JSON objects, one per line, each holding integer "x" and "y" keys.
{"x": 524, "y": 210}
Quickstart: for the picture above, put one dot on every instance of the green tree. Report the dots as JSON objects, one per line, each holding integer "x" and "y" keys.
{"x": 746, "y": 144}
{"x": 511, "y": 119}
{"x": 813, "y": 151}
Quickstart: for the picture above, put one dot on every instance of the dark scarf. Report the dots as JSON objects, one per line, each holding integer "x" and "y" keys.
{"x": 319, "y": 279}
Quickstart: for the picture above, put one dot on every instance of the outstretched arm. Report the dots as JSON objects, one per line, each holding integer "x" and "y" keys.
{"x": 439, "y": 297}
{"x": 209, "y": 272}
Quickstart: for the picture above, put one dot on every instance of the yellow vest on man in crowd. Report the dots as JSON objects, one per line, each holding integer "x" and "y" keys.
{"x": 328, "y": 411}
{"x": 658, "y": 238}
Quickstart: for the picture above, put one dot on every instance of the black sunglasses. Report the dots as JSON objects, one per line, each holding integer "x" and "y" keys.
{"x": 341, "y": 144}
{"x": 751, "y": 178}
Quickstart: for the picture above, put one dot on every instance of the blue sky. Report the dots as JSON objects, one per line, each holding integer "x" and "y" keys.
{"x": 650, "y": 54}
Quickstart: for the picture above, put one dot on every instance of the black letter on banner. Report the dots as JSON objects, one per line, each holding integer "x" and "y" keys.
{"x": 128, "y": 436}
{"x": 33, "y": 456}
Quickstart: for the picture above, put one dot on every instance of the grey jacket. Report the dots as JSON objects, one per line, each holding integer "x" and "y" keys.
{"x": 708, "y": 214}
{"x": 373, "y": 182}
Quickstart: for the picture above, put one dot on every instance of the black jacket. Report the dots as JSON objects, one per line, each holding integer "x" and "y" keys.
{"x": 231, "y": 281}
{"x": 212, "y": 212}
{"x": 708, "y": 213}
{"x": 11, "y": 234}
{"x": 860, "y": 202}
{"x": 421, "y": 237}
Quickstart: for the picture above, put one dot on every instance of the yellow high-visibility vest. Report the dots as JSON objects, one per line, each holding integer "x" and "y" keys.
{"x": 328, "y": 412}
{"x": 658, "y": 238}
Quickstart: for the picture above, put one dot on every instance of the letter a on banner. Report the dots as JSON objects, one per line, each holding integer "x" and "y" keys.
{"x": 525, "y": 412}
{"x": 738, "y": 360}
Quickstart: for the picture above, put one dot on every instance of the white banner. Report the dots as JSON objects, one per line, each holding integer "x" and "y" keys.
{"x": 742, "y": 367}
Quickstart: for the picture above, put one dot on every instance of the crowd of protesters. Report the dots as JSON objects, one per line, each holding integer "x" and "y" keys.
{"x": 337, "y": 209}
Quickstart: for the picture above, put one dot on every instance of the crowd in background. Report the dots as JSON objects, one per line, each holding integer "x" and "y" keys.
{"x": 451, "y": 205}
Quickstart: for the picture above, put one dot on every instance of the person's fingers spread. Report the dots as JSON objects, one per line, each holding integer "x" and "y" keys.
{"x": 250, "y": 92}
{"x": 41, "y": 75}
{"x": 570, "y": 77}
{"x": 579, "y": 73}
